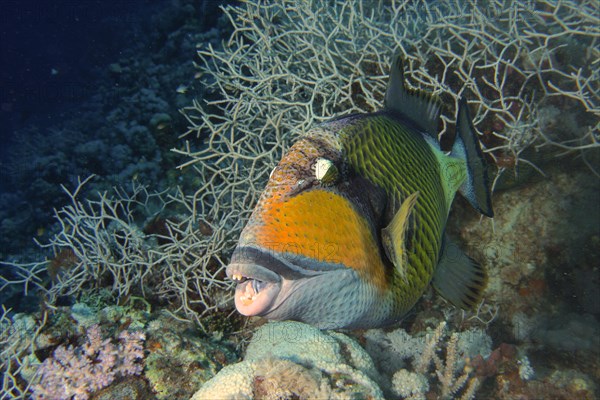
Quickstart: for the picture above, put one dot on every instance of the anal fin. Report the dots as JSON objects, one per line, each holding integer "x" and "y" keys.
{"x": 394, "y": 235}
{"x": 458, "y": 278}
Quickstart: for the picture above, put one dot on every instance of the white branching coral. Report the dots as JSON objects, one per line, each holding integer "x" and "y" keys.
{"x": 103, "y": 241}
{"x": 290, "y": 64}
{"x": 420, "y": 365}
{"x": 410, "y": 384}
{"x": 18, "y": 336}
{"x": 122, "y": 244}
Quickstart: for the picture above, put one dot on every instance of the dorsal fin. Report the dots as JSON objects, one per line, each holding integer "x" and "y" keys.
{"x": 419, "y": 107}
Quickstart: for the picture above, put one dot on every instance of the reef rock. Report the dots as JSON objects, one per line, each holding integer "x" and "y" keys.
{"x": 294, "y": 360}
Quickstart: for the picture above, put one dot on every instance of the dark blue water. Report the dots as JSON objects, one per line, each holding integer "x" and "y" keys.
{"x": 51, "y": 52}
{"x": 61, "y": 81}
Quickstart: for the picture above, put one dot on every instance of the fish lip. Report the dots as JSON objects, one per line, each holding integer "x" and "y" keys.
{"x": 264, "y": 299}
{"x": 252, "y": 271}
{"x": 261, "y": 304}
{"x": 253, "y": 263}
{"x": 281, "y": 267}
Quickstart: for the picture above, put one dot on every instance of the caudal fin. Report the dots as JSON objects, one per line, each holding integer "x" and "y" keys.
{"x": 476, "y": 188}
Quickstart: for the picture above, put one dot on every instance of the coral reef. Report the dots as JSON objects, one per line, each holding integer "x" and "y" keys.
{"x": 406, "y": 360}
{"x": 536, "y": 246}
{"x": 101, "y": 246}
{"x": 74, "y": 373}
{"x": 539, "y": 245}
{"x": 181, "y": 359}
{"x": 71, "y": 354}
{"x": 18, "y": 336}
{"x": 530, "y": 73}
{"x": 287, "y": 360}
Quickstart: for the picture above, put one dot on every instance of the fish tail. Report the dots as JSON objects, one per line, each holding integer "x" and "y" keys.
{"x": 476, "y": 188}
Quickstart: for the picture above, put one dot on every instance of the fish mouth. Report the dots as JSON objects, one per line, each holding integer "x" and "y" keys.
{"x": 265, "y": 279}
{"x": 256, "y": 290}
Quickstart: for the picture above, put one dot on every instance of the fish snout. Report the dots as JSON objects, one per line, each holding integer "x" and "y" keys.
{"x": 257, "y": 287}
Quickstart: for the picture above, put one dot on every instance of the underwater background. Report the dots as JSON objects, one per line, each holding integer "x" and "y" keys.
{"x": 138, "y": 135}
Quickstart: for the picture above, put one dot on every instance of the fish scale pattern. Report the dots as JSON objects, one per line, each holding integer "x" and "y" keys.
{"x": 403, "y": 164}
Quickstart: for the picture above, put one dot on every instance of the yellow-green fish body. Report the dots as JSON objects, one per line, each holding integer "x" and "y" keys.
{"x": 349, "y": 231}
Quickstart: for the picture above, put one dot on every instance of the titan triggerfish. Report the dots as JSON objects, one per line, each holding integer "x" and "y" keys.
{"x": 350, "y": 229}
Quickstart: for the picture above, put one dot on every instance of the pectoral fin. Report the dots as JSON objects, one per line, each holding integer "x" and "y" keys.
{"x": 394, "y": 235}
{"x": 458, "y": 278}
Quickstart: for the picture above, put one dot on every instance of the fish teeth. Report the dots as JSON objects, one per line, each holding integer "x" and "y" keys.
{"x": 251, "y": 290}
{"x": 249, "y": 294}
{"x": 251, "y": 298}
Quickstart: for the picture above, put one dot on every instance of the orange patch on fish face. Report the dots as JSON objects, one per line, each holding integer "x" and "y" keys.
{"x": 320, "y": 225}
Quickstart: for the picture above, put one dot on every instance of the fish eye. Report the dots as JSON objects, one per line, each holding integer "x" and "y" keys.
{"x": 325, "y": 171}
